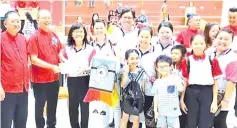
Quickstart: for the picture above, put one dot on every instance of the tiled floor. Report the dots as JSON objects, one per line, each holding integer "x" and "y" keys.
{"x": 63, "y": 118}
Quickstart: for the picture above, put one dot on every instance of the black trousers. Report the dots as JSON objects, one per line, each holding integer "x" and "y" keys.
{"x": 183, "y": 118}
{"x": 220, "y": 120}
{"x": 46, "y": 92}
{"x": 198, "y": 101}
{"x": 14, "y": 108}
{"x": 147, "y": 105}
{"x": 77, "y": 89}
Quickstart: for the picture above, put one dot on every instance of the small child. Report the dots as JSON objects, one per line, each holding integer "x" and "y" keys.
{"x": 166, "y": 94}
{"x": 178, "y": 53}
{"x": 131, "y": 72}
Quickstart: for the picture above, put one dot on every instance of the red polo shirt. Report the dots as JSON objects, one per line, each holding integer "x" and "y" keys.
{"x": 184, "y": 36}
{"x": 233, "y": 29}
{"x": 14, "y": 63}
{"x": 46, "y": 45}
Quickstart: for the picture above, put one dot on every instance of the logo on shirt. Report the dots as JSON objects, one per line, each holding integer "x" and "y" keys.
{"x": 54, "y": 41}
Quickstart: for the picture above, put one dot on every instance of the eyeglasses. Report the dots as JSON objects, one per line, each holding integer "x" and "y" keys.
{"x": 127, "y": 17}
{"x": 164, "y": 66}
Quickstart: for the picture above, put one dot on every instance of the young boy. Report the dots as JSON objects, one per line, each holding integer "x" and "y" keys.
{"x": 166, "y": 94}
{"x": 178, "y": 52}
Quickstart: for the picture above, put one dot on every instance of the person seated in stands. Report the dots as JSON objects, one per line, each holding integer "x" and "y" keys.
{"x": 91, "y": 3}
{"x": 142, "y": 17}
{"x": 232, "y": 17}
{"x": 119, "y": 9}
{"x": 79, "y": 20}
{"x": 191, "y": 9}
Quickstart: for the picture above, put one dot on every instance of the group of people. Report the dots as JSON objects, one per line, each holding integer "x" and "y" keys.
{"x": 189, "y": 82}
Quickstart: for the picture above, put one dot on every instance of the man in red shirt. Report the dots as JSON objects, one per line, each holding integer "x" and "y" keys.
{"x": 184, "y": 36}
{"x": 14, "y": 74}
{"x": 44, "y": 47}
{"x": 232, "y": 16}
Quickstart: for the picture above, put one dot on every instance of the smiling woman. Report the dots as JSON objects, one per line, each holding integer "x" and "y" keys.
{"x": 77, "y": 55}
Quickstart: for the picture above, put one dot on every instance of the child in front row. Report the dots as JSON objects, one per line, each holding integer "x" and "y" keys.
{"x": 178, "y": 53}
{"x": 201, "y": 74}
{"x": 166, "y": 94}
{"x": 131, "y": 72}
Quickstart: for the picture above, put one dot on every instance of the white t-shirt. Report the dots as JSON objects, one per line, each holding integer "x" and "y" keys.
{"x": 168, "y": 96}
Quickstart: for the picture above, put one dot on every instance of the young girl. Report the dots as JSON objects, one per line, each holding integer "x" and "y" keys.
{"x": 131, "y": 71}
{"x": 77, "y": 57}
{"x": 210, "y": 32}
{"x": 165, "y": 42}
{"x": 224, "y": 55}
{"x": 146, "y": 53}
{"x": 166, "y": 94}
{"x": 201, "y": 73}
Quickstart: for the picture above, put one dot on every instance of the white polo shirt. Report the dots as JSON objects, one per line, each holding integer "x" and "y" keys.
{"x": 165, "y": 50}
{"x": 124, "y": 41}
{"x": 78, "y": 59}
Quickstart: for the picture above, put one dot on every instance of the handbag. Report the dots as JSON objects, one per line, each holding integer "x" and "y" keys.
{"x": 150, "y": 117}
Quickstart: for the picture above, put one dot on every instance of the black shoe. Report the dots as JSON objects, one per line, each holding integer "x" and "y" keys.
{"x": 95, "y": 111}
{"x": 112, "y": 123}
{"x": 103, "y": 113}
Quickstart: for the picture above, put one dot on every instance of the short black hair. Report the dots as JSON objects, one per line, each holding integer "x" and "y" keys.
{"x": 190, "y": 16}
{"x": 146, "y": 28}
{"x": 126, "y": 10}
{"x": 164, "y": 58}
{"x": 234, "y": 9}
{"x": 70, "y": 40}
{"x": 99, "y": 21}
{"x": 165, "y": 24}
{"x": 227, "y": 31}
{"x": 129, "y": 51}
{"x": 181, "y": 48}
{"x": 6, "y": 16}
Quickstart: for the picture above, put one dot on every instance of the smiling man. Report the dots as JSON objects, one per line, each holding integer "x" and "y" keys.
{"x": 14, "y": 74}
{"x": 44, "y": 47}
{"x": 232, "y": 17}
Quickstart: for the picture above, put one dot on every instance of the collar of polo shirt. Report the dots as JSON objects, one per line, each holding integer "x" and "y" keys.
{"x": 202, "y": 57}
{"x": 11, "y": 36}
{"x": 223, "y": 53}
{"x": 42, "y": 31}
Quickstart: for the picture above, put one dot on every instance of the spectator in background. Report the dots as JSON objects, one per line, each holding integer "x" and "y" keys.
{"x": 107, "y": 3}
{"x": 193, "y": 29}
{"x": 191, "y": 9}
{"x": 142, "y": 17}
{"x": 29, "y": 27}
{"x": 94, "y": 17}
{"x": 164, "y": 15}
{"x": 79, "y": 20}
{"x": 119, "y": 9}
{"x": 232, "y": 16}
{"x": 91, "y": 3}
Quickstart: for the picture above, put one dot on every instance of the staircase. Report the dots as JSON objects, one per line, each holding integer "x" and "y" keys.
{"x": 209, "y": 10}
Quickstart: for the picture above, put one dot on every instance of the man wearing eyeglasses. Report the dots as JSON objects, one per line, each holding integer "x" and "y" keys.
{"x": 14, "y": 74}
